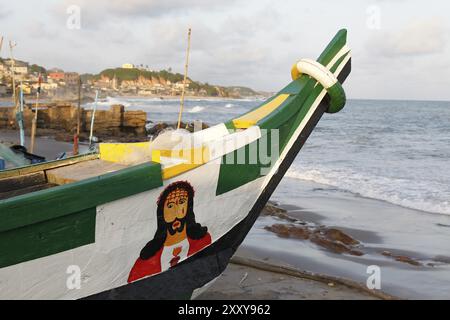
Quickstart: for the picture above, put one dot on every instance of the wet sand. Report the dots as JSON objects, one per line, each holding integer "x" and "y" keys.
{"x": 242, "y": 281}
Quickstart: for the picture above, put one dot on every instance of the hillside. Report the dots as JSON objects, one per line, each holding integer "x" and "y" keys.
{"x": 139, "y": 77}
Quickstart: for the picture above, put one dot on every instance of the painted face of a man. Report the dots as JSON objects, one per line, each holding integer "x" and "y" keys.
{"x": 175, "y": 209}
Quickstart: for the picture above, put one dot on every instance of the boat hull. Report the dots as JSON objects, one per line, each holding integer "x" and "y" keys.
{"x": 182, "y": 281}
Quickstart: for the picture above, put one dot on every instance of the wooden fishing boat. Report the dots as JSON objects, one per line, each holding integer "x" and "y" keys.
{"x": 158, "y": 220}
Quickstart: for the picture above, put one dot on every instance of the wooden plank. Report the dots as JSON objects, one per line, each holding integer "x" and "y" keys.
{"x": 21, "y": 182}
{"x": 15, "y": 193}
{"x": 81, "y": 171}
{"x": 45, "y": 166}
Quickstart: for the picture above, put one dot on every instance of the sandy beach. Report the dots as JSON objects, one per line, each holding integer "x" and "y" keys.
{"x": 249, "y": 279}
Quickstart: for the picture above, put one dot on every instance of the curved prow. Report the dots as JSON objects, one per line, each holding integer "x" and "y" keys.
{"x": 325, "y": 77}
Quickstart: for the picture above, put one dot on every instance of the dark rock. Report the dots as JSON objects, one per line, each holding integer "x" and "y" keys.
{"x": 290, "y": 231}
{"x": 272, "y": 210}
{"x": 402, "y": 258}
{"x": 334, "y": 246}
{"x": 333, "y": 240}
{"x": 338, "y": 235}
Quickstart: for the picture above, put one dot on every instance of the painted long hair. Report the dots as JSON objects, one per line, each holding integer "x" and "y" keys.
{"x": 194, "y": 230}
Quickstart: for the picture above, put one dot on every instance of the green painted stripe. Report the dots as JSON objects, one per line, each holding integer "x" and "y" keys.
{"x": 75, "y": 197}
{"x": 338, "y": 63}
{"x": 338, "y": 42}
{"x": 238, "y": 169}
{"x": 289, "y": 108}
{"x": 230, "y": 126}
{"x": 46, "y": 238}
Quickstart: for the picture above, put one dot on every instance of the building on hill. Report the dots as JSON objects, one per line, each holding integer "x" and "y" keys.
{"x": 3, "y": 89}
{"x": 56, "y": 75}
{"x": 71, "y": 78}
{"x": 20, "y": 67}
{"x": 9, "y": 62}
{"x": 3, "y": 69}
{"x": 53, "y": 70}
{"x": 128, "y": 66}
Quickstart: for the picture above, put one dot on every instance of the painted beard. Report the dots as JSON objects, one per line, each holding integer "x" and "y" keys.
{"x": 176, "y": 226}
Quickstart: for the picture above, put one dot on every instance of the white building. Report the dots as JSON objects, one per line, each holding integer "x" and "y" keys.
{"x": 20, "y": 69}
{"x": 128, "y": 66}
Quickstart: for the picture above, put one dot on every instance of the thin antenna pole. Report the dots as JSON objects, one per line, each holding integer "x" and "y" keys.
{"x": 93, "y": 119}
{"x": 11, "y": 46}
{"x": 77, "y": 133}
{"x": 19, "y": 117}
{"x": 186, "y": 66}
{"x": 34, "y": 121}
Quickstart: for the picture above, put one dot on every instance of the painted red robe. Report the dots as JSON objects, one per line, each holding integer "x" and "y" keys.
{"x": 143, "y": 268}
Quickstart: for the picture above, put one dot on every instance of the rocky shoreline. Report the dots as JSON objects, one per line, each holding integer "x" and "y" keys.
{"x": 250, "y": 275}
{"x": 335, "y": 240}
{"x": 59, "y": 121}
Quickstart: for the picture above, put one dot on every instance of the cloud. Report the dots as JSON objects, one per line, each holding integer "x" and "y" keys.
{"x": 417, "y": 38}
{"x": 4, "y": 13}
{"x": 149, "y": 7}
{"x": 94, "y": 13}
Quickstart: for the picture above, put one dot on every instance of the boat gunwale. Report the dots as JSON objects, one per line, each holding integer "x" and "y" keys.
{"x": 20, "y": 171}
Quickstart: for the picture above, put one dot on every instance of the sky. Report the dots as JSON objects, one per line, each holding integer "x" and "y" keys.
{"x": 400, "y": 47}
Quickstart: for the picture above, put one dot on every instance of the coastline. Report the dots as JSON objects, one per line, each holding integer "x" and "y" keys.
{"x": 8, "y": 102}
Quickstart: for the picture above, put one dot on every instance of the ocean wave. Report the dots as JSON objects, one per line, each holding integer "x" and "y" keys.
{"x": 196, "y": 109}
{"x": 108, "y": 101}
{"x": 229, "y": 105}
{"x": 418, "y": 195}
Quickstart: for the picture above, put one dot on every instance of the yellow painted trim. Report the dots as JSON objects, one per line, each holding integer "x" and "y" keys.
{"x": 123, "y": 152}
{"x": 252, "y": 118}
{"x": 178, "y": 169}
{"x": 295, "y": 74}
{"x": 192, "y": 156}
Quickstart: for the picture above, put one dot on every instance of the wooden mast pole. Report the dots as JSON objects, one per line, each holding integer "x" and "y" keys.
{"x": 186, "y": 66}
{"x": 34, "y": 121}
{"x": 77, "y": 133}
{"x": 19, "y": 117}
{"x": 11, "y": 46}
{"x": 91, "y": 135}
